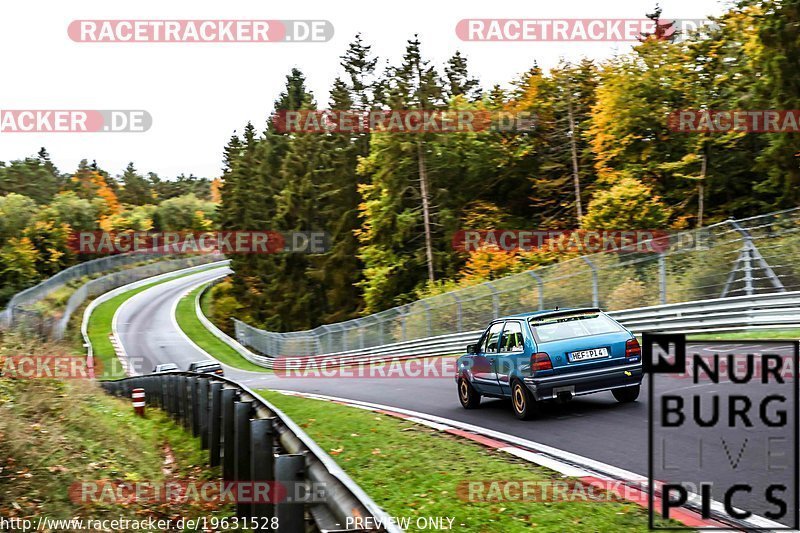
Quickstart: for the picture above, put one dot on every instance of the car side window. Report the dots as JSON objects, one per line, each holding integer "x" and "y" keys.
{"x": 511, "y": 340}
{"x": 490, "y": 342}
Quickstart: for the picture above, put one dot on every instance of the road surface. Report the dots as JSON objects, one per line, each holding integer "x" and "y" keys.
{"x": 594, "y": 426}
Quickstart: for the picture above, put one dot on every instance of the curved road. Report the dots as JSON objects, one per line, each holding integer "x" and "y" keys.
{"x": 594, "y": 426}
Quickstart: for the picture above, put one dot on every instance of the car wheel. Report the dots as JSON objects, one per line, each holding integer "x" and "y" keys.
{"x": 467, "y": 395}
{"x": 627, "y": 394}
{"x": 522, "y": 401}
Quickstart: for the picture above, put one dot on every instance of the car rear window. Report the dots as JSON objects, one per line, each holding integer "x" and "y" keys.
{"x": 570, "y": 326}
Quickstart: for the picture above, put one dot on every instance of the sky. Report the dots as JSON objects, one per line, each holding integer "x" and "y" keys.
{"x": 198, "y": 94}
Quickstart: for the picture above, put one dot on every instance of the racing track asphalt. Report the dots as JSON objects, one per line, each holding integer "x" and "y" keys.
{"x": 594, "y": 426}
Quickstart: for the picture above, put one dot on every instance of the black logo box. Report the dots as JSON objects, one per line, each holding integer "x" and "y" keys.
{"x": 678, "y": 366}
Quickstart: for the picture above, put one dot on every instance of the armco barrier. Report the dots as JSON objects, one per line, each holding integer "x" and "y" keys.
{"x": 734, "y": 258}
{"x": 256, "y": 442}
{"x": 18, "y": 314}
{"x": 779, "y": 310}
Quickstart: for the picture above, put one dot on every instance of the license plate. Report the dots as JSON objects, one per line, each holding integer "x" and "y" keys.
{"x": 583, "y": 355}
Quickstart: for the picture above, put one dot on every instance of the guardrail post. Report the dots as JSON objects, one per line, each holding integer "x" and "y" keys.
{"x": 215, "y": 423}
{"x": 194, "y": 403}
{"x": 241, "y": 440}
{"x": 183, "y": 384}
{"x": 202, "y": 407}
{"x": 262, "y": 463}
{"x": 176, "y": 397}
{"x": 228, "y": 399}
{"x": 289, "y": 472}
{"x": 662, "y": 277}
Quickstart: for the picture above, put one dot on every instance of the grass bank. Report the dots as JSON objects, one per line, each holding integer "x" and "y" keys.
{"x": 753, "y": 334}
{"x": 186, "y": 315}
{"x": 56, "y": 435}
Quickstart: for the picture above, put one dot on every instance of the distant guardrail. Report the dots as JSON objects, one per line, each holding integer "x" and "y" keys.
{"x": 730, "y": 259}
{"x": 54, "y": 327}
{"x": 254, "y": 441}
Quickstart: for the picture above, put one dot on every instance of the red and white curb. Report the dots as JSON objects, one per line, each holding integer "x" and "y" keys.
{"x": 122, "y": 355}
{"x": 566, "y": 463}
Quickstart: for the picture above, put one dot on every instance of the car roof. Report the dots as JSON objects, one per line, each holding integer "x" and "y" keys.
{"x": 554, "y": 312}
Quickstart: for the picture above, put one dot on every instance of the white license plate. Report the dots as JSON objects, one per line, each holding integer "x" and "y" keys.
{"x": 583, "y": 355}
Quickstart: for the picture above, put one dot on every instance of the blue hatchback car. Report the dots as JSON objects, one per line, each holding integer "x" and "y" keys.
{"x": 550, "y": 355}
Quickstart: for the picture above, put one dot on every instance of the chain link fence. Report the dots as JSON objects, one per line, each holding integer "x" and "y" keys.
{"x": 748, "y": 256}
{"x": 22, "y": 314}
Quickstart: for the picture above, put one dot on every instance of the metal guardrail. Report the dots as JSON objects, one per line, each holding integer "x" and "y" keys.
{"x": 54, "y": 327}
{"x": 713, "y": 315}
{"x": 744, "y": 257}
{"x": 254, "y": 441}
{"x": 39, "y": 291}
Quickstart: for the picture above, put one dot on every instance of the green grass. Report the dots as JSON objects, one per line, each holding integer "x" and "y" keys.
{"x": 186, "y": 316}
{"x": 412, "y": 470}
{"x": 753, "y": 334}
{"x": 58, "y": 433}
{"x": 99, "y": 328}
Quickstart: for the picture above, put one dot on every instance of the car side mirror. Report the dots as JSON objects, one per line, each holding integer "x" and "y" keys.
{"x": 472, "y": 348}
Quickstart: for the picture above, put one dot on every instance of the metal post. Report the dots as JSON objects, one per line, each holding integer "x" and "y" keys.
{"x": 662, "y": 277}
{"x": 747, "y": 260}
{"x": 262, "y": 462}
{"x": 241, "y": 453}
{"x": 194, "y": 407}
{"x": 202, "y": 407}
{"x": 540, "y": 283}
{"x": 495, "y": 299}
{"x": 228, "y": 465}
{"x": 595, "y": 287}
{"x": 459, "y": 312}
{"x": 215, "y": 423}
{"x": 289, "y": 471}
{"x": 428, "y": 317}
{"x": 185, "y": 414}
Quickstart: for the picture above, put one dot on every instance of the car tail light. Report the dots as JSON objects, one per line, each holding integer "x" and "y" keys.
{"x": 632, "y": 348}
{"x": 541, "y": 361}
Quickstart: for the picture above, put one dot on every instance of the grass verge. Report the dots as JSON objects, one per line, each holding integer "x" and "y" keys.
{"x": 57, "y": 434}
{"x": 99, "y": 327}
{"x": 186, "y": 315}
{"x": 753, "y": 334}
{"x": 414, "y": 471}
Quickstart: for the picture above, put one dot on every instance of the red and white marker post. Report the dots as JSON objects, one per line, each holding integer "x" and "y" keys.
{"x": 138, "y": 401}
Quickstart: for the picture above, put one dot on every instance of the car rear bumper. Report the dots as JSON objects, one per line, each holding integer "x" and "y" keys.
{"x": 550, "y": 387}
